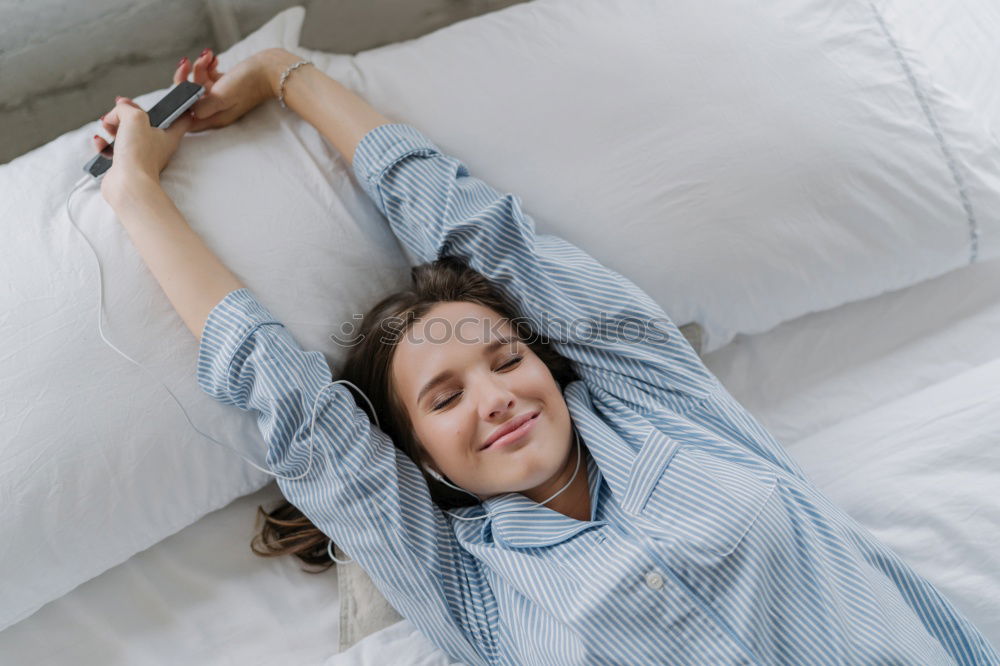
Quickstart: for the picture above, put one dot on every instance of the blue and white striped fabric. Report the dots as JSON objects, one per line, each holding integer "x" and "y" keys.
{"x": 706, "y": 543}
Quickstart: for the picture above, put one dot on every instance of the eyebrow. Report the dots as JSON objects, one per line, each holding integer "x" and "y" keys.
{"x": 446, "y": 374}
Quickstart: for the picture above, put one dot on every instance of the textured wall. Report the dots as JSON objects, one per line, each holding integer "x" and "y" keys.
{"x": 62, "y": 62}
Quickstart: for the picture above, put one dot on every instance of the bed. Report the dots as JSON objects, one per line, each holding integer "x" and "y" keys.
{"x": 888, "y": 398}
{"x": 896, "y": 419}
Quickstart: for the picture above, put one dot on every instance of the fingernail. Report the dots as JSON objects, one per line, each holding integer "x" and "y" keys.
{"x": 118, "y": 99}
{"x": 180, "y": 63}
{"x": 96, "y": 137}
{"x": 204, "y": 52}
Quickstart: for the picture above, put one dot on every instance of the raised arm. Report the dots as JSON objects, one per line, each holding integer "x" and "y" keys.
{"x": 190, "y": 274}
{"x": 193, "y": 278}
{"x": 619, "y": 339}
{"x": 359, "y": 489}
{"x": 341, "y": 116}
{"x": 436, "y": 208}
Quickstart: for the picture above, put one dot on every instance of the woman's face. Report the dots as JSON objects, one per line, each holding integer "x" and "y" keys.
{"x": 482, "y": 386}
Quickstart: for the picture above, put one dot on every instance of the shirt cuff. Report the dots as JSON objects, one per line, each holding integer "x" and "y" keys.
{"x": 381, "y": 148}
{"x": 227, "y": 331}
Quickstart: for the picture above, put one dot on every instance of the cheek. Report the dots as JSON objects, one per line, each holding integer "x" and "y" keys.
{"x": 446, "y": 433}
{"x": 545, "y": 385}
{"x": 541, "y": 377}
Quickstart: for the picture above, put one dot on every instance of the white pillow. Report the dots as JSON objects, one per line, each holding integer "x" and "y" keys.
{"x": 957, "y": 39}
{"x": 744, "y": 163}
{"x": 97, "y": 462}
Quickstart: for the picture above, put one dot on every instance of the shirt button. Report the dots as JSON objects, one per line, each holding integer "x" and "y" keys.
{"x": 654, "y": 580}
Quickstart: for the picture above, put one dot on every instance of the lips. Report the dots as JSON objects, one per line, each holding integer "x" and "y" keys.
{"x": 513, "y": 424}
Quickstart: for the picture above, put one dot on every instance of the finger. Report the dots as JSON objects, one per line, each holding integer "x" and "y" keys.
{"x": 217, "y": 98}
{"x": 109, "y": 121}
{"x": 181, "y": 125}
{"x": 213, "y": 70}
{"x": 202, "y": 124}
{"x": 210, "y": 102}
{"x": 201, "y": 67}
{"x": 182, "y": 71}
{"x": 129, "y": 111}
{"x": 224, "y": 117}
{"x": 100, "y": 143}
{"x": 128, "y": 101}
{"x": 217, "y": 119}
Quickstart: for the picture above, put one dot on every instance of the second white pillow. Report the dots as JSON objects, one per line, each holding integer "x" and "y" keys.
{"x": 745, "y": 164}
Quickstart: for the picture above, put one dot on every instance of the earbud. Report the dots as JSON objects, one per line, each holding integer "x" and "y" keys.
{"x": 437, "y": 475}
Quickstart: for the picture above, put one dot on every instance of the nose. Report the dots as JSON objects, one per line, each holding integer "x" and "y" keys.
{"x": 496, "y": 400}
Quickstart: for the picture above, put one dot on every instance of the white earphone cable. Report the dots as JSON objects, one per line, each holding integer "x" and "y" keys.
{"x": 100, "y": 289}
{"x": 579, "y": 456}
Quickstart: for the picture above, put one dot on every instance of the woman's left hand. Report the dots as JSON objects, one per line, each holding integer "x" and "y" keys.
{"x": 141, "y": 151}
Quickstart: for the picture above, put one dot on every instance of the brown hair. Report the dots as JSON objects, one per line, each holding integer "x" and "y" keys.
{"x": 285, "y": 530}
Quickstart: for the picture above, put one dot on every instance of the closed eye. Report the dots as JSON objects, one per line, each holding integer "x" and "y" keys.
{"x": 514, "y": 361}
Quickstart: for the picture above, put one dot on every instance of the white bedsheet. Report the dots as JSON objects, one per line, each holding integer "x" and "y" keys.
{"x": 891, "y": 405}
{"x": 197, "y": 597}
{"x": 922, "y": 474}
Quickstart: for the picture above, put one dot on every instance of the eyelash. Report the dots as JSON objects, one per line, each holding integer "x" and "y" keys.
{"x": 513, "y": 361}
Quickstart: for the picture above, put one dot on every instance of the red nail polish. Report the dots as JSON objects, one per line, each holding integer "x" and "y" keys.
{"x": 96, "y": 137}
{"x": 204, "y": 52}
{"x": 182, "y": 61}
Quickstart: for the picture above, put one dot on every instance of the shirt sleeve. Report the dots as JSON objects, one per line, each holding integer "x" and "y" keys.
{"x": 360, "y": 490}
{"x": 618, "y": 338}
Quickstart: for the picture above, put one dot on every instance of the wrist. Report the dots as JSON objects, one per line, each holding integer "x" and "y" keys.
{"x": 274, "y": 62}
{"x": 131, "y": 190}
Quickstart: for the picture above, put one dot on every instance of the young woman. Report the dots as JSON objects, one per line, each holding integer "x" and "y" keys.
{"x": 597, "y": 499}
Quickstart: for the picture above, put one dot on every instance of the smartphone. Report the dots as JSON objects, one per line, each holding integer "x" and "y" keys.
{"x": 163, "y": 113}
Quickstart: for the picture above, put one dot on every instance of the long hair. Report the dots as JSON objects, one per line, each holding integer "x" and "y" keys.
{"x": 285, "y": 530}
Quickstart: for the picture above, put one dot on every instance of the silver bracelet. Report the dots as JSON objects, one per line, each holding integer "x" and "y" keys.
{"x": 284, "y": 75}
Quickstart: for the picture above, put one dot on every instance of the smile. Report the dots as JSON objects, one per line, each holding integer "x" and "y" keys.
{"x": 515, "y": 435}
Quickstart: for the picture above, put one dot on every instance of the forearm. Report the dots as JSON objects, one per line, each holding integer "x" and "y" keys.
{"x": 190, "y": 274}
{"x": 340, "y": 115}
